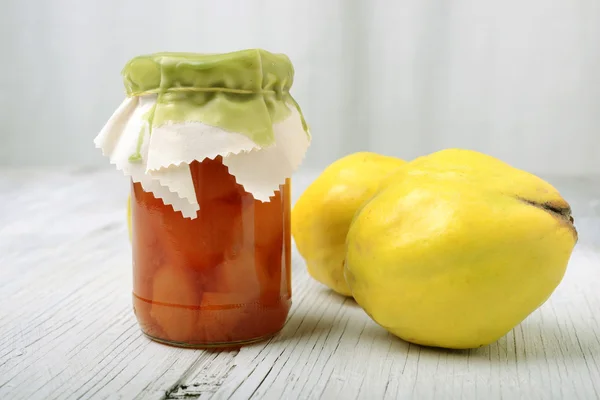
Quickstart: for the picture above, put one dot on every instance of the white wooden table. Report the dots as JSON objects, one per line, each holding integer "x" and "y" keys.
{"x": 67, "y": 330}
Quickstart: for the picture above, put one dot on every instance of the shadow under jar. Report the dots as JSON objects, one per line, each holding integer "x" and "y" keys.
{"x": 220, "y": 279}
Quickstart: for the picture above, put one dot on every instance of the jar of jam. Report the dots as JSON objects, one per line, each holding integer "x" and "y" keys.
{"x": 210, "y": 143}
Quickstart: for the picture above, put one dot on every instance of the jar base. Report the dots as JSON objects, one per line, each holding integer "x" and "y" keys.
{"x": 215, "y": 345}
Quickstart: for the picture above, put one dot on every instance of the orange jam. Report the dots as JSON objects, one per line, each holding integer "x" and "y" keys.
{"x": 222, "y": 278}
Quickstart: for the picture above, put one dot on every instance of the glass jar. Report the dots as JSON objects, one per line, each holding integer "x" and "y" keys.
{"x": 210, "y": 143}
{"x": 221, "y": 278}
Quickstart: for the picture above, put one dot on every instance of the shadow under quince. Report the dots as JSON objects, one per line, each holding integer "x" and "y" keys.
{"x": 530, "y": 340}
{"x": 533, "y": 339}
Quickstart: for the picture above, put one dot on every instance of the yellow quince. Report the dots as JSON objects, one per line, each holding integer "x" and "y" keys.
{"x": 322, "y": 215}
{"x": 129, "y": 216}
{"x": 457, "y": 249}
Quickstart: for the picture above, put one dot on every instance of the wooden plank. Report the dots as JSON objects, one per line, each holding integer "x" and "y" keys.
{"x": 73, "y": 331}
{"x": 67, "y": 330}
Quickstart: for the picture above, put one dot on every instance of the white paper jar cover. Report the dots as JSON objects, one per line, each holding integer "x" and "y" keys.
{"x": 183, "y": 107}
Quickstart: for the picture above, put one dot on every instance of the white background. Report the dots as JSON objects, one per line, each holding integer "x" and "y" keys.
{"x": 517, "y": 79}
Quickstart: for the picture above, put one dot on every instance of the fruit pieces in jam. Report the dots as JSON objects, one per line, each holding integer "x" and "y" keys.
{"x": 221, "y": 278}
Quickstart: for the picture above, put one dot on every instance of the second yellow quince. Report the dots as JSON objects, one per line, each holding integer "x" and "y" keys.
{"x": 322, "y": 215}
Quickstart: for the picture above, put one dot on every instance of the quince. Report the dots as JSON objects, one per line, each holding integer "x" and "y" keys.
{"x": 322, "y": 215}
{"x": 129, "y": 216}
{"x": 458, "y": 248}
